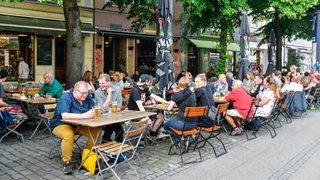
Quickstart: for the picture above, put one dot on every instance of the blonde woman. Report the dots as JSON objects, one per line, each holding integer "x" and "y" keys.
{"x": 117, "y": 80}
{"x": 268, "y": 95}
{"x": 293, "y": 72}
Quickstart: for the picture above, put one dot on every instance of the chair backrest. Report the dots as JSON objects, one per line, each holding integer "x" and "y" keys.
{"x": 125, "y": 92}
{"x": 195, "y": 111}
{"x": 33, "y": 90}
{"x": 221, "y": 108}
{"x": 317, "y": 92}
{"x": 49, "y": 107}
{"x": 136, "y": 128}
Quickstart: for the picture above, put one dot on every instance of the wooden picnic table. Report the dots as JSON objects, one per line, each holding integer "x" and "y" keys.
{"x": 31, "y": 107}
{"x": 109, "y": 118}
{"x": 220, "y": 100}
{"x": 104, "y": 120}
{"x": 160, "y": 107}
{"x": 36, "y": 101}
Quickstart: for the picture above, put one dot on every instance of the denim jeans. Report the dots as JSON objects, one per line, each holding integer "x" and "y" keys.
{"x": 178, "y": 124}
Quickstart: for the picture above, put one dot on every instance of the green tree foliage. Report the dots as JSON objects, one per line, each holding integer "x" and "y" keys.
{"x": 222, "y": 15}
{"x": 142, "y": 12}
{"x": 286, "y": 17}
{"x": 294, "y": 59}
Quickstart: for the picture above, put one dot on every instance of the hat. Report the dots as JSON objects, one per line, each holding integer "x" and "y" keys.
{"x": 3, "y": 73}
{"x": 144, "y": 78}
{"x": 213, "y": 79}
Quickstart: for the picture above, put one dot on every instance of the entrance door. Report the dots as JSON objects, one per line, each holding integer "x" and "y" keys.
{"x": 60, "y": 59}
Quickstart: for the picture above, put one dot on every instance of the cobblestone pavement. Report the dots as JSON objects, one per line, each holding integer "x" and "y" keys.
{"x": 30, "y": 160}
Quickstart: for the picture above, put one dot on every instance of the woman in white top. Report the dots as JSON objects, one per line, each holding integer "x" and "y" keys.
{"x": 268, "y": 95}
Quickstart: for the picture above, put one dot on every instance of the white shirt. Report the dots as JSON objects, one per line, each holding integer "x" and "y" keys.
{"x": 293, "y": 86}
{"x": 23, "y": 70}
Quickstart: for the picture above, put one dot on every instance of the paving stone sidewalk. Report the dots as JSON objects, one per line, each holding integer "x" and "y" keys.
{"x": 30, "y": 160}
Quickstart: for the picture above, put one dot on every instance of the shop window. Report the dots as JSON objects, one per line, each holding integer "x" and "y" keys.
{"x": 13, "y": 48}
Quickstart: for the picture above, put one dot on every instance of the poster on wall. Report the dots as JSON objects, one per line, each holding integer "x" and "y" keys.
{"x": 44, "y": 51}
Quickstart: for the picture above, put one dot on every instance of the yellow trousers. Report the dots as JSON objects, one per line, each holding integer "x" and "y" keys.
{"x": 66, "y": 133}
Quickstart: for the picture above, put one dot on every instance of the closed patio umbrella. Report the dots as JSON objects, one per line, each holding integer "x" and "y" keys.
{"x": 271, "y": 51}
{"x": 164, "y": 60}
{"x": 244, "y": 46}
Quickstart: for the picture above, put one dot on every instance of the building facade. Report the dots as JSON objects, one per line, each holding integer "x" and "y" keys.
{"x": 36, "y": 32}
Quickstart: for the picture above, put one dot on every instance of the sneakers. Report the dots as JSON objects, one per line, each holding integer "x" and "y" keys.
{"x": 312, "y": 107}
{"x": 67, "y": 168}
{"x": 142, "y": 144}
{"x": 236, "y": 131}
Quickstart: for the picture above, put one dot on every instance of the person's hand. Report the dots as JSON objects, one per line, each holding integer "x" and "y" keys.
{"x": 89, "y": 114}
{"x": 109, "y": 90}
{"x": 261, "y": 88}
{"x": 48, "y": 96}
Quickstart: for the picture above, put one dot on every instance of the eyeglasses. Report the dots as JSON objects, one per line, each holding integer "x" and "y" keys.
{"x": 82, "y": 93}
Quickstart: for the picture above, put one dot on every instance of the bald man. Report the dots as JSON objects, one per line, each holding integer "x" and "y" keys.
{"x": 51, "y": 88}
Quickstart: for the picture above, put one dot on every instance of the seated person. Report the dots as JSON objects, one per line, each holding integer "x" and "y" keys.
{"x": 51, "y": 88}
{"x": 183, "y": 98}
{"x": 117, "y": 80}
{"x": 204, "y": 97}
{"x": 75, "y": 104}
{"x": 105, "y": 95}
{"x": 292, "y": 86}
{"x": 241, "y": 101}
{"x": 139, "y": 96}
{"x": 222, "y": 85}
{"x": 267, "y": 96}
{"x": 3, "y": 77}
{"x": 258, "y": 80}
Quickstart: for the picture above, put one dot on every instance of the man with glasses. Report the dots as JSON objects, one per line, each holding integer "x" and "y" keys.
{"x": 51, "y": 88}
{"x": 75, "y": 104}
{"x": 105, "y": 96}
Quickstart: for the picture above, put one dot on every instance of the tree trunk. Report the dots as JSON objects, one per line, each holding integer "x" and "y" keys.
{"x": 73, "y": 33}
{"x": 278, "y": 33}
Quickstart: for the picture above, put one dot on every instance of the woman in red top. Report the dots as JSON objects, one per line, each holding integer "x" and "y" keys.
{"x": 241, "y": 101}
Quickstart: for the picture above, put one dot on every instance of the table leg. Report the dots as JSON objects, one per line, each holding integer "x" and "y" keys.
{"x": 94, "y": 143}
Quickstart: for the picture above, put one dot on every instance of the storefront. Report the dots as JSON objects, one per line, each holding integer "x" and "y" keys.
{"x": 202, "y": 55}
{"x": 36, "y": 33}
{"x": 126, "y": 52}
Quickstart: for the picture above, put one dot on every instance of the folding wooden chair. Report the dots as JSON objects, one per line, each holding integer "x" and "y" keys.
{"x": 185, "y": 135}
{"x": 33, "y": 90}
{"x": 248, "y": 119}
{"x": 285, "y": 107}
{"x": 127, "y": 148}
{"x": 45, "y": 117}
{"x": 215, "y": 130}
{"x": 265, "y": 121}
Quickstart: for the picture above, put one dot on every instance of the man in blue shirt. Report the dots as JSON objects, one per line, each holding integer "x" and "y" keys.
{"x": 75, "y": 104}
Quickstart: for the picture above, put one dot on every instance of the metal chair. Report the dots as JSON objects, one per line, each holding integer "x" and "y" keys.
{"x": 114, "y": 149}
{"x": 184, "y": 135}
{"x": 267, "y": 120}
{"x": 215, "y": 130}
{"x": 44, "y": 118}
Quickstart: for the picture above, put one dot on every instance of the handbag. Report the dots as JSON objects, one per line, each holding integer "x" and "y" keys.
{"x": 211, "y": 111}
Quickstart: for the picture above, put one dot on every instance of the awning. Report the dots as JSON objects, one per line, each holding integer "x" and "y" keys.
{"x": 207, "y": 44}
{"x": 127, "y": 34}
{"x": 41, "y": 26}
